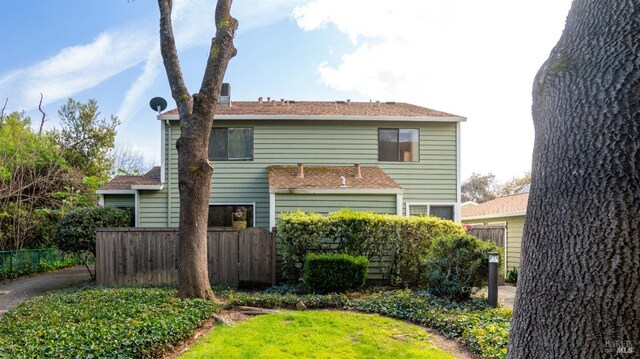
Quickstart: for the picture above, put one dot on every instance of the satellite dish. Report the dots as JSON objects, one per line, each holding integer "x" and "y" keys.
{"x": 158, "y": 104}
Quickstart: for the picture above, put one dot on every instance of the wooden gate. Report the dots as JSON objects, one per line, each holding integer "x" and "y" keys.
{"x": 149, "y": 256}
{"x": 496, "y": 234}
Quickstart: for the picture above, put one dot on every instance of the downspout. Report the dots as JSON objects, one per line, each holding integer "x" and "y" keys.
{"x": 168, "y": 149}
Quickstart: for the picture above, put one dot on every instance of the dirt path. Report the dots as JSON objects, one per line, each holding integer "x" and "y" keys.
{"x": 15, "y": 292}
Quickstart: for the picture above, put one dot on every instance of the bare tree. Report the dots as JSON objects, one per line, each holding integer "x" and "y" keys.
{"x": 44, "y": 115}
{"x": 196, "y": 119}
{"x": 579, "y": 287}
{"x": 129, "y": 161}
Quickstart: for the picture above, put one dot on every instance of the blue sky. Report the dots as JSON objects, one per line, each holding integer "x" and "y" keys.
{"x": 475, "y": 59}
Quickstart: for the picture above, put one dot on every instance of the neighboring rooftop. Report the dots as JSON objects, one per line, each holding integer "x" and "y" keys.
{"x": 328, "y": 108}
{"x": 509, "y": 205}
{"x": 328, "y": 177}
{"x": 151, "y": 178}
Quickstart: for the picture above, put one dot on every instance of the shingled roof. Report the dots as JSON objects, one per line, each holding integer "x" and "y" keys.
{"x": 508, "y": 205}
{"x": 328, "y": 177}
{"x": 150, "y": 178}
{"x": 327, "y": 108}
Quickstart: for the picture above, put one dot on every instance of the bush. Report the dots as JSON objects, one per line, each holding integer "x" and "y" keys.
{"x": 375, "y": 236}
{"x": 456, "y": 264}
{"x": 100, "y": 323}
{"x": 512, "y": 276}
{"x": 334, "y": 272}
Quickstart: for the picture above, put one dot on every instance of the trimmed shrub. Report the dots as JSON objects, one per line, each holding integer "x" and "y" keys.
{"x": 334, "y": 272}
{"x": 456, "y": 264}
{"x": 76, "y": 232}
{"x": 375, "y": 236}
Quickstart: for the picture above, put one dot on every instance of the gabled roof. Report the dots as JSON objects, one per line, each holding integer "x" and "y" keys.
{"x": 119, "y": 183}
{"x": 326, "y": 108}
{"x": 514, "y": 205}
{"x": 328, "y": 178}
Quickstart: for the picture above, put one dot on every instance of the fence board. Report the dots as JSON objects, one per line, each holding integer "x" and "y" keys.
{"x": 148, "y": 256}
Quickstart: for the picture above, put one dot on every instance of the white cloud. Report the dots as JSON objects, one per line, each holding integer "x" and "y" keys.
{"x": 474, "y": 58}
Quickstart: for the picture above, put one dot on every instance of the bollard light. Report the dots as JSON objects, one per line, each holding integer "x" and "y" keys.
{"x": 492, "y": 297}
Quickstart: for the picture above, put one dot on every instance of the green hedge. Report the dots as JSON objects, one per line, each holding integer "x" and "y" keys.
{"x": 334, "y": 272}
{"x": 406, "y": 240}
{"x": 457, "y": 264}
{"x": 100, "y": 323}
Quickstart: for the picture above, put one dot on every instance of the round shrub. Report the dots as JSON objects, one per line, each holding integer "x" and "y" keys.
{"x": 456, "y": 264}
{"x": 334, "y": 272}
{"x": 76, "y": 232}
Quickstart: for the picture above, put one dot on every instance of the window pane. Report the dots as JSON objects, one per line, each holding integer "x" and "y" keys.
{"x": 409, "y": 145}
{"x": 444, "y": 212}
{"x": 223, "y": 215}
{"x": 387, "y": 144}
{"x": 218, "y": 144}
{"x": 240, "y": 143}
{"x": 418, "y": 210}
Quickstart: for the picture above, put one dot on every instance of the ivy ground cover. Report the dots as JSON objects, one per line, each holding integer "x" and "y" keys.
{"x": 317, "y": 334}
{"x": 98, "y": 322}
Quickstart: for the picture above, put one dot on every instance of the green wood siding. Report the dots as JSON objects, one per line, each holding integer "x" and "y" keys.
{"x": 119, "y": 200}
{"x": 325, "y": 203}
{"x": 433, "y": 179}
{"x": 515, "y": 226}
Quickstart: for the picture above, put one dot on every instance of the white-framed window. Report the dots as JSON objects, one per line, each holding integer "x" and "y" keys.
{"x": 441, "y": 210}
{"x": 224, "y": 214}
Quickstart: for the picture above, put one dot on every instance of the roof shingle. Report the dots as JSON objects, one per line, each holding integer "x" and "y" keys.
{"x": 325, "y": 108}
{"x": 498, "y": 206}
{"x": 152, "y": 177}
{"x": 328, "y": 177}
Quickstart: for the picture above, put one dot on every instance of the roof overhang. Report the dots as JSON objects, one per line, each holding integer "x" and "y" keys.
{"x": 149, "y": 187}
{"x": 116, "y": 191}
{"x": 327, "y": 118}
{"x": 336, "y": 191}
{"x": 496, "y": 215}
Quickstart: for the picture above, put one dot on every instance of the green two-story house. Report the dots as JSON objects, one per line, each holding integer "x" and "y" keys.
{"x": 272, "y": 156}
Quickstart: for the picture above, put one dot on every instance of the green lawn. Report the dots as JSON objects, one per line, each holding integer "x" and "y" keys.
{"x": 317, "y": 334}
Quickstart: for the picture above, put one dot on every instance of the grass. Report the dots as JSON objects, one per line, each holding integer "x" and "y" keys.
{"x": 100, "y": 322}
{"x": 317, "y": 334}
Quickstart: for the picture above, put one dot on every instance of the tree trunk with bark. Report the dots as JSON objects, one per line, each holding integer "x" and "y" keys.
{"x": 579, "y": 287}
{"x": 196, "y": 119}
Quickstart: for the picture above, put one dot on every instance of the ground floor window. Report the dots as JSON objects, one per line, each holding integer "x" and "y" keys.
{"x": 436, "y": 210}
{"x": 239, "y": 216}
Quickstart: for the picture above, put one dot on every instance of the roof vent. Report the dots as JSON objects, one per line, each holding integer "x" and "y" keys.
{"x": 225, "y": 95}
{"x": 358, "y": 172}
{"x": 390, "y": 102}
{"x": 348, "y": 101}
{"x": 300, "y": 170}
{"x": 260, "y": 100}
{"x": 343, "y": 182}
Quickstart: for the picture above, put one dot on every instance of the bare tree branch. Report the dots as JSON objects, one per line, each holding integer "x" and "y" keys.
{"x": 179, "y": 91}
{"x": 42, "y": 121}
{"x": 3, "y": 107}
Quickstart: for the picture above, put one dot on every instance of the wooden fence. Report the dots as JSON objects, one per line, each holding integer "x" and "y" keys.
{"x": 496, "y": 234}
{"x": 149, "y": 256}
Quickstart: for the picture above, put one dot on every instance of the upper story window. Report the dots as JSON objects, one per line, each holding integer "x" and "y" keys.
{"x": 231, "y": 144}
{"x": 399, "y": 144}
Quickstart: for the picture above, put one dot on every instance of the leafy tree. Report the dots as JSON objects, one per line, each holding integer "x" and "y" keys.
{"x": 515, "y": 185}
{"x": 579, "y": 282}
{"x": 85, "y": 139}
{"x": 32, "y": 171}
{"x": 76, "y": 232}
{"x": 479, "y": 188}
{"x": 196, "y": 119}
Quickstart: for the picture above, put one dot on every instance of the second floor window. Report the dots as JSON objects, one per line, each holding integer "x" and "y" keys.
{"x": 399, "y": 144}
{"x": 231, "y": 144}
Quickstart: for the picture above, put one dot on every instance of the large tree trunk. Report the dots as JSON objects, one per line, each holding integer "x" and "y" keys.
{"x": 194, "y": 170}
{"x": 579, "y": 287}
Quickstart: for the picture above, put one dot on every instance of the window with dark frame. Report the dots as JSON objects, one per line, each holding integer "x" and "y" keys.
{"x": 231, "y": 144}
{"x": 399, "y": 144}
{"x": 222, "y": 215}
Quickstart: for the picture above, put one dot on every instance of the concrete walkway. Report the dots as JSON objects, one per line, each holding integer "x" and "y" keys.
{"x": 16, "y": 291}
{"x": 506, "y": 295}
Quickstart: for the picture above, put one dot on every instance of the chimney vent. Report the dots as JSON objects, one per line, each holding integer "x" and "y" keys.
{"x": 358, "y": 172}
{"x": 282, "y": 101}
{"x": 300, "y": 170}
{"x": 260, "y": 100}
{"x": 225, "y": 95}
{"x": 268, "y": 99}
{"x": 348, "y": 101}
{"x": 343, "y": 182}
